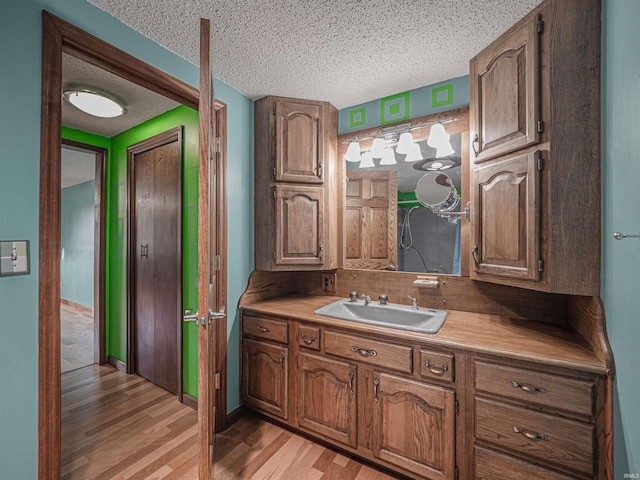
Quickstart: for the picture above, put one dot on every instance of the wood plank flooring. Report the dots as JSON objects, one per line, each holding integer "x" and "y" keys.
{"x": 117, "y": 426}
{"x": 76, "y": 339}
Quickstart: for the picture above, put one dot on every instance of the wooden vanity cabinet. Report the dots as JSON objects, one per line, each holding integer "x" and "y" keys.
{"x": 535, "y": 138}
{"x": 538, "y": 422}
{"x": 295, "y": 184}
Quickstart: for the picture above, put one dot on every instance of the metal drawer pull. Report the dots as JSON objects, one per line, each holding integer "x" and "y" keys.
{"x": 473, "y": 144}
{"x": 351, "y": 375}
{"x": 365, "y": 352}
{"x": 436, "y": 371}
{"x": 308, "y": 341}
{"x": 282, "y": 361}
{"x": 515, "y": 384}
{"x": 376, "y": 387}
{"x": 532, "y": 436}
{"x": 262, "y": 329}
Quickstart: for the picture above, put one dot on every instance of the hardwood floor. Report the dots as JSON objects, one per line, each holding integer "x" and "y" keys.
{"x": 117, "y": 426}
{"x": 76, "y": 338}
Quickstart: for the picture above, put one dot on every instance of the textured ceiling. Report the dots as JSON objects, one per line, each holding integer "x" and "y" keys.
{"x": 78, "y": 166}
{"x": 344, "y": 51}
{"x": 141, "y": 104}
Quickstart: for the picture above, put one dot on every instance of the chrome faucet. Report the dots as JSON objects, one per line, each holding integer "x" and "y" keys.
{"x": 353, "y": 297}
{"x": 383, "y": 299}
{"x": 366, "y": 298}
{"x": 415, "y": 303}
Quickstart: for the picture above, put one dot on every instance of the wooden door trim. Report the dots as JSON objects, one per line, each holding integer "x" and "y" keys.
{"x": 159, "y": 140}
{"x": 59, "y": 36}
{"x": 99, "y": 249}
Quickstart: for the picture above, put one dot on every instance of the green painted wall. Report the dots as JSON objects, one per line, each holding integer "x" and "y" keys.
{"x": 76, "y": 239}
{"x": 620, "y": 200}
{"x": 186, "y": 118}
{"x": 20, "y": 82}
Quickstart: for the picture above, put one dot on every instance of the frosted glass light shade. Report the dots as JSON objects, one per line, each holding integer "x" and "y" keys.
{"x": 438, "y": 136}
{"x": 414, "y": 154}
{"x": 377, "y": 148}
{"x": 388, "y": 157}
{"x": 444, "y": 150}
{"x": 353, "y": 152}
{"x": 404, "y": 144}
{"x": 94, "y": 103}
{"x": 367, "y": 160}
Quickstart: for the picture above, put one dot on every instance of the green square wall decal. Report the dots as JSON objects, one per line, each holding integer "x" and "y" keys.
{"x": 357, "y": 117}
{"x": 394, "y": 108}
{"x": 442, "y": 95}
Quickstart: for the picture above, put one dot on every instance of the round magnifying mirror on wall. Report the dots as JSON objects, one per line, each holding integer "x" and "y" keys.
{"x": 436, "y": 191}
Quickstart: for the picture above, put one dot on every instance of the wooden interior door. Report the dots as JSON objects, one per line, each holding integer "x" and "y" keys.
{"x": 370, "y": 219}
{"x": 207, "y": 296}
{"x": 505, "y": 93}
{"x": 156, "y": 247}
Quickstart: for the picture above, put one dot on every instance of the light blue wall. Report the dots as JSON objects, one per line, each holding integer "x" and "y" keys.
{"x": 20, "y": 91}
{"x": 621, "y": 200}
{"x": 76, "y": 236}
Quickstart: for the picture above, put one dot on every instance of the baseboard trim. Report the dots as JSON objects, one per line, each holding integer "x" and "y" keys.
{"x": 117, "y": 364}
{"x": 77, "y": 306}
{"x": 190, "y": 401}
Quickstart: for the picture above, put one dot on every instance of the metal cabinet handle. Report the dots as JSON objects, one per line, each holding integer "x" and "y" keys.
{"x": 515, "y": 384}
{"x": 144, "y": 250}
{"x": 436, "y": 371}
{"x": 474, "y": 251}
{"x": 376, "y": 389}
{"x": 308, "y": 341}
{"x": 282, "y": 361}
{"x": 262, "y": 329}
{"x": 476, "y": 140}
{"x": 530, "y": 435}
{"x": 365, "y": 352}
{"x": 351, "y": 377}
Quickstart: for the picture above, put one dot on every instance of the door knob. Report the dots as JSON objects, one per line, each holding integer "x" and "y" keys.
{"x": 189, "y": 316}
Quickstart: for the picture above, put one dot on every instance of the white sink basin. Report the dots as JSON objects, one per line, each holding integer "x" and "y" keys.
{"x": 393, "y": 315}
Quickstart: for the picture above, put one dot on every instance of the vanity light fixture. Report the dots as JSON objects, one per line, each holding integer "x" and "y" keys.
{"x": 94, "y": 102}
{"x": 367, "y": 160}
{"x": 388, "y": 157}
{"x": 401, "y": 134}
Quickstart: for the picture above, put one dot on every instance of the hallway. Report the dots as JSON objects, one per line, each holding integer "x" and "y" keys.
{"x": 117, "y": 426}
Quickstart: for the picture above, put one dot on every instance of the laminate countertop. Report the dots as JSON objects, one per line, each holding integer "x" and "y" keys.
{"x": 483, "y": 333}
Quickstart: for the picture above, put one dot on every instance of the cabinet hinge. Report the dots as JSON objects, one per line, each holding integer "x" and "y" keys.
{"x": 540, "y": 265}
{"x": 540, "y": 26}
{"x": 217, "y": 381}
{"x": 274, "y": 193}
{"x": 217, "y": 145}
{"x": 540, "y": 126}
{"x": 456, "y": 473}
{"x": 217, "y": 262}
{"x": 274, "y": 171}
{"x": 274, "y": 254}
{"x": 540, "y": 161}
{"x": 456, "y": 405}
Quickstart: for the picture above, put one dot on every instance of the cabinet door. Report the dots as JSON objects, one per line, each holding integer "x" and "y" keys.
{"x": 298, "y": 225}
{"x": 505, "y": 93}
{"x": 370, "y": 219}
{"x": 299, "y": 142}
{"x": 506, "y": 218}
{"x": 327, "y": 398}
{"x": 414, "y": 426}
{"x": 264, "y": 377}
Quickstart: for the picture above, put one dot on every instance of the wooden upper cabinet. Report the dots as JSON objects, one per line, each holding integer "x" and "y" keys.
{"x": 297, "y": 185}
{"x": 299, "y": 229}
{"x": 506, "y": 91}
{"x": 299, "y": 145}
{"x": 507, "y": 210}
{"x": 535, "y": 91}
{"x": 370, "y": 219}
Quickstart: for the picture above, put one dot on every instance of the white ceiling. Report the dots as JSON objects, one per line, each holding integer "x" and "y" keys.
{"x": 346, "y": 52}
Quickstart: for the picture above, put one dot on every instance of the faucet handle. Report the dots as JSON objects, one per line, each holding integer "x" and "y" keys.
{"x": 383, "y": 299}
{"x": 353, "y": 297}
{"x": 415, "y": 302}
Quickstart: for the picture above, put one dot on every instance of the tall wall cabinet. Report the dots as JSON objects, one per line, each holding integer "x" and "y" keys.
{"x": 535, "y": 132}
{"x": 295, "y": 155}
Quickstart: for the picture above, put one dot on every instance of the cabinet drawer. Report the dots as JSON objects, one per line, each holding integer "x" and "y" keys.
{"x": 490, "y": 465}
{"x": 547, "y": 438}
{"x": 353, "y": 347}
{"x": 264, "y": 328}
{"x": 437, "y": 365}
{"x": 536, "y": 387}
{"x": 309, "y": 337}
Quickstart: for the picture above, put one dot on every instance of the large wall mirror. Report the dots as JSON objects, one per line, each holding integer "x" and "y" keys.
{"x": 405, "y": 195}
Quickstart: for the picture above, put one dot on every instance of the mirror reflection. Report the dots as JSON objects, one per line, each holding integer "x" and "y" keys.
{"x": 392, "y": 204}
